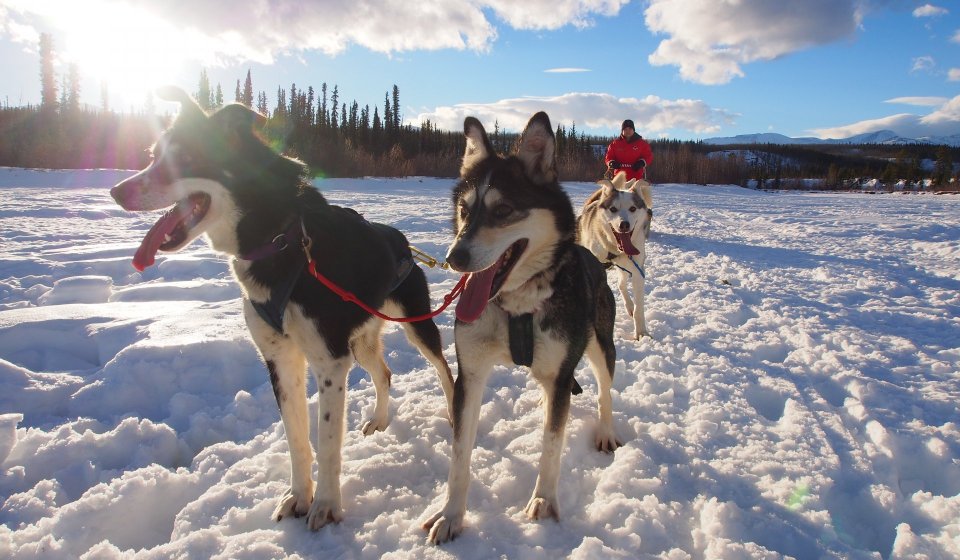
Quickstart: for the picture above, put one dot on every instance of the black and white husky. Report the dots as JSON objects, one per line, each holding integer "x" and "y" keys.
{"x": 221, "y": 179}
{"x": 534, "y": 297}
{"x": 615, "y": 225}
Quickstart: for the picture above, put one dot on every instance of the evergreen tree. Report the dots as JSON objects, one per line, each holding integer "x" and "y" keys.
{"x": 943, "y": 168}
{"x": 48, "y": 81}
{"x": 387, "y": 118}
{"x": 262, "y": 104}
{"x": 247, "y": 98}
{"x": 236, "y": 93}
{"x": 281, "y": 103}
{"x": 203, "y": 93}
{"x": 322, "y": 110}
{"x": 396, "y": 108}
{"x": 73, "y": 88}
{"x": 218, "y": 98}
{"x": 333, "y": 103}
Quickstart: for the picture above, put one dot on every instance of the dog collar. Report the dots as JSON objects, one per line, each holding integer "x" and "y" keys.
{"x": 292, "y": 236}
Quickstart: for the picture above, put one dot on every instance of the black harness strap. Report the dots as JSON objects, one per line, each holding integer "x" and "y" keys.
{"x": 520, "y": 331}
{"x": 272, "y": 310}
{"x": 521, "y": 339}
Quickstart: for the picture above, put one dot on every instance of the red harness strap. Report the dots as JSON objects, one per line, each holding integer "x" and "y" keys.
{"x": 352, "y": 298}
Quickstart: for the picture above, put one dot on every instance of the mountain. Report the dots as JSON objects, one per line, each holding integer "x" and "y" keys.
{"x": 878, "y": 137}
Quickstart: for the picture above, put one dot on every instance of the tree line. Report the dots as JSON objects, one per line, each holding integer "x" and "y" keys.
{"x": 337, "y": 137}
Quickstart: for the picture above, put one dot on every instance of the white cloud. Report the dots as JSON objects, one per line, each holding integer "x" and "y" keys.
{"x": 956, "y": 37}
{"x": 943, "y": 121}
{"x": 590, "y": 111}
{"x": 709, "y": 40}
{"x": 919, "y": 101}
{"x": 923, "y": 64}
{"x": 953, "y": 74}
{"x": 256, "y": 30}
{"x": 929, "y": 10}
{"x": 566, "y": 70}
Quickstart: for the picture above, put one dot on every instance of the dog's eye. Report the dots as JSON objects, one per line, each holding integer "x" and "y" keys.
{"x": 502, "y": 210}
{"x": 612, "y": 209}
{"x": 633, "y": 209}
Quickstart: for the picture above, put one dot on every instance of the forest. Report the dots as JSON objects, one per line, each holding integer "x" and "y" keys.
{"x": 340, "y": 138}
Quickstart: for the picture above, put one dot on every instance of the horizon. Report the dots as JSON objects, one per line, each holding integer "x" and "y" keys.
{"x": 680, "y": 70}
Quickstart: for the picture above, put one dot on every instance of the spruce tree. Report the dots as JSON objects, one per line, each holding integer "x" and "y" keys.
{"x": 247, "y": 98}
{"x": 203, "y": 93}
{"x": 48, "y": 81}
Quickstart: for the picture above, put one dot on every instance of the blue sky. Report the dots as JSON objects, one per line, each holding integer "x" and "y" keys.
{"x": 682, "y": 69}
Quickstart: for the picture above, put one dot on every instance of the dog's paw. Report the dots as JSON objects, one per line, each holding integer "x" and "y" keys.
{"x": 375, "y": 425}
{"x": 542, "y": 508}
{"x": 607, "y": 442}
{"x": 442, "y": 528}
{"x": 322, "y": 513}
{"x": 292, "y": 505}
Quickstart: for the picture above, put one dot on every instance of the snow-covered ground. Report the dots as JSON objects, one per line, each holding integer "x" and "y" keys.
{"x": 798, "y": 398}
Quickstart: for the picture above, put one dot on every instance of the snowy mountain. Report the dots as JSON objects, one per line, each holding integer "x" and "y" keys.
{"x": 877, "y": 137}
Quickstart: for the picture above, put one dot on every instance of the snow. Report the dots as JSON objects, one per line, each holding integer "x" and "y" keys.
{"x": 798, "y": 397}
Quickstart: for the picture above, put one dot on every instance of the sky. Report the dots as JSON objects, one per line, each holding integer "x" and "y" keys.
{"x": 683, "y": 69}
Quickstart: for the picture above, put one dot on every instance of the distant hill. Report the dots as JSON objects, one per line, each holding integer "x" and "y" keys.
{"x": 878, "y": 137}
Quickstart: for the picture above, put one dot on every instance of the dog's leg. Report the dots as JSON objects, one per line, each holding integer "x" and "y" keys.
{"x": 368, "y": 350}
{"x": 624, "y": 285}
{"x": 331, "y": 376}
{"x": 412, "y": 298}
{"x": 447, "y": 523}
{"x": 601, "y": 356}
{"x": 288, "y": 370}
{"x": 543, "y": 504}
{"x": 425, "y": 337}
{"x": 639, "y": 318}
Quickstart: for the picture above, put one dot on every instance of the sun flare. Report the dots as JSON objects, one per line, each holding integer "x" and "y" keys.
{"x": 124, "y": 48}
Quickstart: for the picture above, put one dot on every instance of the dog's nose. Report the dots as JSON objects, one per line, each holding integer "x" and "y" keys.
{"x": 624, "y": 226}
{"x": 117, "y": 194}
{"x": 458, "y": 258}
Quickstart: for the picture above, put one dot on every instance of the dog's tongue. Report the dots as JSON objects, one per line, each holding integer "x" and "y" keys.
{"x": 476, "y": 293}
{"x": 151, "y": 243}
{"x": 625, "y": 243}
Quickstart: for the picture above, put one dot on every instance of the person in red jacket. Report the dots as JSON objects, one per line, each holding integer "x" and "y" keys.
{"x": 629, "y": 153}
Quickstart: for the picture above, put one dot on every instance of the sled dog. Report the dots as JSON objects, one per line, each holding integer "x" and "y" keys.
{"x": 615, "y": 225}
{"x": 218, "y": 178}
{"x": 534, "y": 297}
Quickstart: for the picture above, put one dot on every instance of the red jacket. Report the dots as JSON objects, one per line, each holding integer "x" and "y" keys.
{"x": 627, "y": 151}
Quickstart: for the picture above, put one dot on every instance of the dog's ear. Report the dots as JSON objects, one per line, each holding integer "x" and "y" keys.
{"x": 620, "y": 181}
{"x": 478, "y": 145}
{"x": 537, "y": 149}
{"x": 188, "y": 105}
{"x": 607, "y": 190}
{"x": 646, "y": 192}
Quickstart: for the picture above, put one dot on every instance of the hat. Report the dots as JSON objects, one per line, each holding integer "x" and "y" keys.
{"x": 627, "y": 123}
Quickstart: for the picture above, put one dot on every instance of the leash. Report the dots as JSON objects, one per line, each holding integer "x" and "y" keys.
{"x": 637, "y": 266}
{"x": 306, "y": 243}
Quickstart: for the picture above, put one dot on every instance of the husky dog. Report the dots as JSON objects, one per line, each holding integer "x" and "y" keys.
{"x": 219, "y": 178}
{"x": 534, "y": 297}
{"x": 615, "y": 225}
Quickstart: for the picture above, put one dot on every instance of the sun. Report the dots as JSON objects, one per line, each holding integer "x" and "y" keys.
{"x": 124, "y": 48}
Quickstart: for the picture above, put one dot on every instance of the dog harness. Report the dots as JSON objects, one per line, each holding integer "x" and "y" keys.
{"x": 611, "y": 256}
{"x": 272, "y": 310}
{"x": 521, "y": 338}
